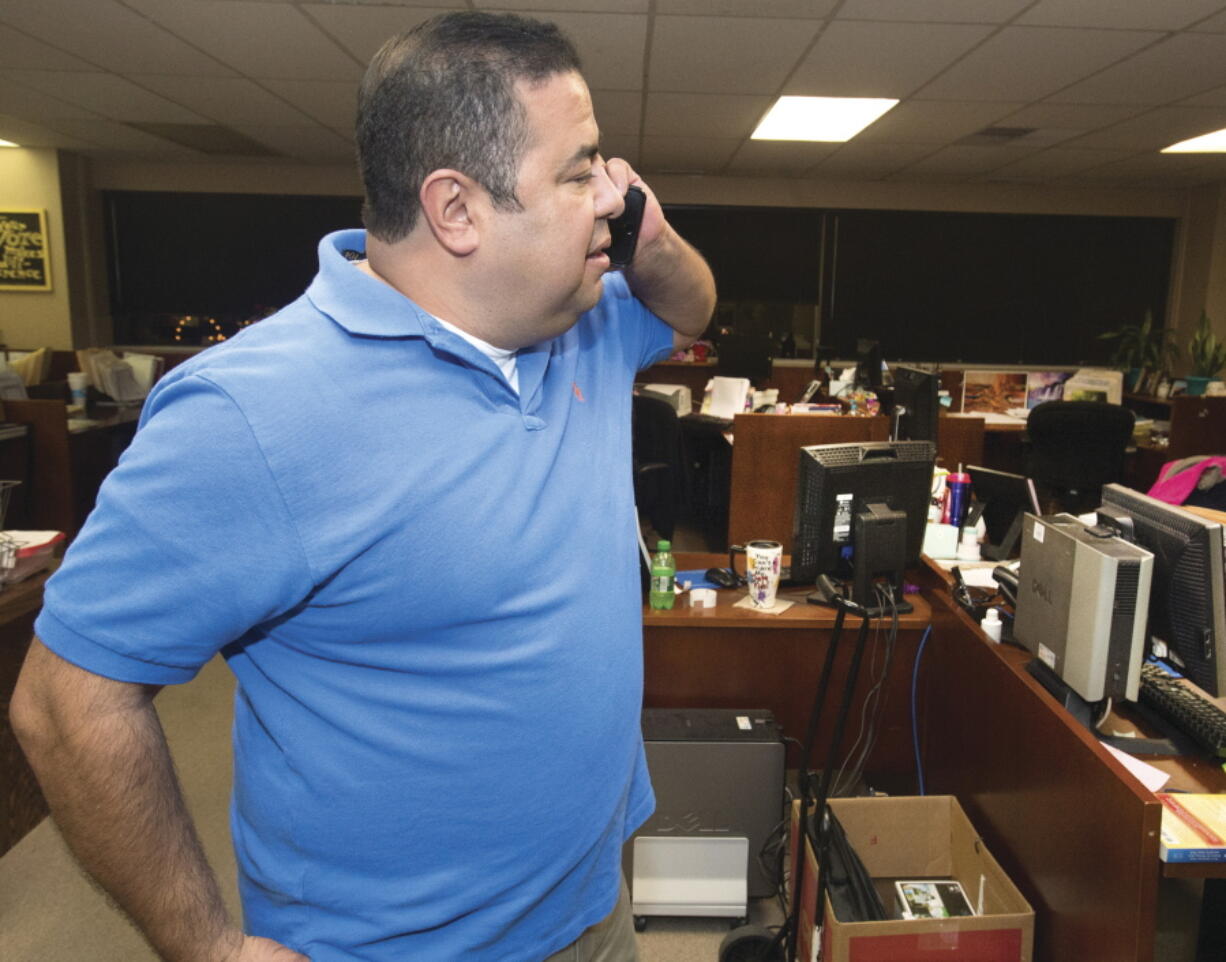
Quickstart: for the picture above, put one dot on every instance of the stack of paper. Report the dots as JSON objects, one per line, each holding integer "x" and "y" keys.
{"x": 725, "y": 397}
{"x": 22, "y": 553}
{"x": 110, "y": 375}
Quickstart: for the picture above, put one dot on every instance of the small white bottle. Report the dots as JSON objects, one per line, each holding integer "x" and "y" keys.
{"x": 992, "y": 624}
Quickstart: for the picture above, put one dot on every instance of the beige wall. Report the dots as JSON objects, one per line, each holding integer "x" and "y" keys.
{"x": 29, "y": 179}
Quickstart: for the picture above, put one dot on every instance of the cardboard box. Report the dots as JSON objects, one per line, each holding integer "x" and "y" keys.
{"x": 912, "y": 837}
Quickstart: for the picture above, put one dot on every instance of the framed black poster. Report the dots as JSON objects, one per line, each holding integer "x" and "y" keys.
{"x": 25, "y": 261}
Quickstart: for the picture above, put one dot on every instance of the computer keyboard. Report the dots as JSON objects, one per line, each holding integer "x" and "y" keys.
{"x": 1190, "y": 712}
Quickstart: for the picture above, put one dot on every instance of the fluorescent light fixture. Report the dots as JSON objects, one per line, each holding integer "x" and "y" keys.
{"x": 1212, "y": 143}
{"x": 8, "y": 143}
{"x": 834, "y": 119}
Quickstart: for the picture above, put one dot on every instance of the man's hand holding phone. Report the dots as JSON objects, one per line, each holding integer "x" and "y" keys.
{"x": 642, "y": 219}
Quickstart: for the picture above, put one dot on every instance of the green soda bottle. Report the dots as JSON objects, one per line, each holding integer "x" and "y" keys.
{"x": 663, "y": 575}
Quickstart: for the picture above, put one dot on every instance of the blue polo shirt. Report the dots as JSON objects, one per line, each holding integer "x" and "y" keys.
{"x": 426, "y": 587}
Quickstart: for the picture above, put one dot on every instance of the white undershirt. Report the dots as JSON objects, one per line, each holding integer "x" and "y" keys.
{"x": 505, "y": 359}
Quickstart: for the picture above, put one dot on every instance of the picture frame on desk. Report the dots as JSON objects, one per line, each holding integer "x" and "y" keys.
{"x": 1178, "y": 386}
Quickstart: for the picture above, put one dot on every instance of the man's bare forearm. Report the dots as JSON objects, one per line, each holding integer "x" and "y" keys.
{"x": 673, "y": 279}
{"x": 101, "y": 758}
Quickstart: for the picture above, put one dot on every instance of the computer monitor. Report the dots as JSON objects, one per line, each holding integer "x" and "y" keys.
{"x": 1001, "y": 499}
{"x": 916, "y": 404}
{"x": 1187, "y": 608}
{"x": 745, "y": 355}
{"x": 844, "y": 490}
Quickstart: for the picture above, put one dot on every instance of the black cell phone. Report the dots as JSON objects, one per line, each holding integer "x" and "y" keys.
{"x": 625, "y": 229}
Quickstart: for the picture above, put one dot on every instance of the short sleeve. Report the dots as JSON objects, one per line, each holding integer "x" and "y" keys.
{"x": 655, "y": 337}
{"x": 189, "y": 548}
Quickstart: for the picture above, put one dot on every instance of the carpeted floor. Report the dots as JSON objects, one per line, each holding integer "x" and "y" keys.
{"x": 49, "y": 912}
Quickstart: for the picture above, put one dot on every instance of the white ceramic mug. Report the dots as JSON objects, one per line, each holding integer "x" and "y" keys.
{"x": 762, "y": 562}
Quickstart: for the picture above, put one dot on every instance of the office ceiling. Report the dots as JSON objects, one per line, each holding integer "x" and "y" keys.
{"x": 1057, "y": 92}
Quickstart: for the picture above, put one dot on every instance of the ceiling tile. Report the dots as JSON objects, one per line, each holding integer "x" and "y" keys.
{"x": 933, "y": 122}
{"x": 774, "y": 156}
{"x": 112, "y": 135}
{"x": 1119, "y": 14}
{"x": 22, "y": 132}
{"x": 1179, "y": 67}
{"x": 108, "y": 35}
{"x": 704, "y": 115}
{"x": 312, "y": 144}
{"x": 22, "y": 52}
{"x": 1209, "y": 98}
{"x": 618, "y": 112}
{"x": 968, "y": 160}
{"x": 932, "y": 11}
{"x": 1156, "y": 129}
{"x": 241, "y": 33}
{"x": 331, "y": 102}
{"x": 1056, "y": 162}
{"x": 686, "y": 154}
{"x": 722, "y": 55}
{"x": 865, "y": 161}
{"x": 103, "y": 93}
{"x": 747, "y": 8}
{"x": 1028, "y": 63}
{"x": 362, "y": 30}
{"x": 20, "y": 100}
{"x": 1216, "y": 24}
{"x": 864, "y": 59}
{"x": 227, "y": 100}
{"x": 1083, "y": 116}
{"x": 611, "y": 46}
{"x": 603, "y": 6}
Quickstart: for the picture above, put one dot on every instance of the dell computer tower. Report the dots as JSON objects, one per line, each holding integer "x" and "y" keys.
{"x": 718, "y": 778}
{"x": 1082, "y": 601}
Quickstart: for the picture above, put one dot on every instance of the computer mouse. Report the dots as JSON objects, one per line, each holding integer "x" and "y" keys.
{"x": 722, "y": 577}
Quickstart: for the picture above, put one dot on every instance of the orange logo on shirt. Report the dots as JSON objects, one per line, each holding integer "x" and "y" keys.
{"x": 579, "y": 394}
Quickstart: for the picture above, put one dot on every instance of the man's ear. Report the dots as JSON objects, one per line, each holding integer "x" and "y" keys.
{"x": 447, "y": 199}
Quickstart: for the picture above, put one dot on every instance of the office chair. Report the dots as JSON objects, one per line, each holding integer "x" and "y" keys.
{"x": 1075, "y": 447}
{"x": 659, "y": 462}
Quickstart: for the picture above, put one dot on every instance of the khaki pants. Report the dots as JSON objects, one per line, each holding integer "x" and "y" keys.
{"x": 611, "y": 940}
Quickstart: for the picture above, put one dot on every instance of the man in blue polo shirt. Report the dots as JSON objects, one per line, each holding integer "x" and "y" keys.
{"x": 387, "y": 506}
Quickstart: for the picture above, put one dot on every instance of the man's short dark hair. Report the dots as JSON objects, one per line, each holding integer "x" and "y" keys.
{"x": 443, "y": 95}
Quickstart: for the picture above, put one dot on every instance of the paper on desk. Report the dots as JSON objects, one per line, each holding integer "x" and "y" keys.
{"x": 778, "y": 608}
{"x": 1152, "y": 778}
{"x": 727, "y": 396}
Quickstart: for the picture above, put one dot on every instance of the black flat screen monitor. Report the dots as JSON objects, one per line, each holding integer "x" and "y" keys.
{"x": 1187, "y": 600}
{"x": 916, "y": 403}
{"x": 745, "y": 355}
{"x": 1003, "y": 499}
{"x": 835, "y": 484}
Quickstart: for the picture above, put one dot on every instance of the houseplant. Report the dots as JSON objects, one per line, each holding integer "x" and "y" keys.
{"x": 1207, "y": 353}
{"x": 1142, "y": 347}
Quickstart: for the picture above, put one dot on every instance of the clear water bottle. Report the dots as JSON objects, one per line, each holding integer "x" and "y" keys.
{"x": 663, "y": 576}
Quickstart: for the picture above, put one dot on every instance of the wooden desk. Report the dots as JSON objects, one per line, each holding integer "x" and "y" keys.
{"x": 22, "y": 805}
{"x": 728, "y": 657}
{"x": 765, "y": 456}
{"x": 1075, "y": 832}
{"x": 68, "y": 463}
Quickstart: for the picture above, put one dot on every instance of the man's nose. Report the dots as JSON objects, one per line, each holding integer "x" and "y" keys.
{"x": 609, "y": 200}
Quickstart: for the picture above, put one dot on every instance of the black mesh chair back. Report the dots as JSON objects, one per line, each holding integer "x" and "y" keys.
{"x": 659, "y": 462}
{"x": 1075, "y": 447}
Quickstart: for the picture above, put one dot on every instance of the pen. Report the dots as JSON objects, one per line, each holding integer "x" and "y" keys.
{"x": 1194, "y": 823}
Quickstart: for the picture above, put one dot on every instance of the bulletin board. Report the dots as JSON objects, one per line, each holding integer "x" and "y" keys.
{"x": 25, "y": 260}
